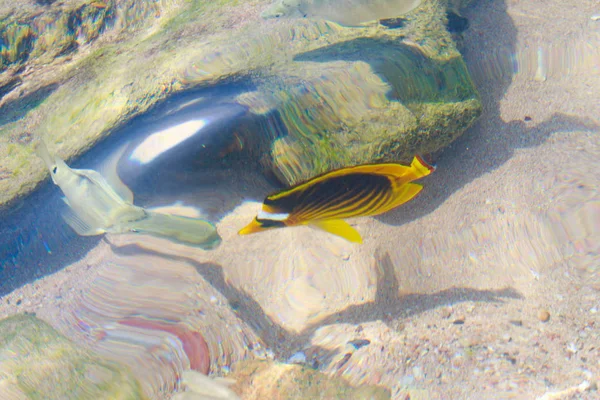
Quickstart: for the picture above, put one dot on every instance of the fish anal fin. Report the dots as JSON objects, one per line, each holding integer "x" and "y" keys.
{"x": 339, "y": 228}
{"x": 81, "y": 227}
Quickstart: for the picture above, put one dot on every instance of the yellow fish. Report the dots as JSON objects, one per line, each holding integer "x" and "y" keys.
{"x": 326, "y": 200}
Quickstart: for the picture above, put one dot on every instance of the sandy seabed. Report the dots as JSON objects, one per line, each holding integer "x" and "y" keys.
{"x": 485, "y": 286}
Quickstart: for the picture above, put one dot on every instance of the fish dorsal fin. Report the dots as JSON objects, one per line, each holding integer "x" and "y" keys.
{"x": 395, "y": 172}
{"x": 108, "y": 170}
{"x": 339, "y": 228}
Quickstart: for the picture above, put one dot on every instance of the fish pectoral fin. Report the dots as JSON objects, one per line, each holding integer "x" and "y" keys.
{"x": 80, "y": 226}
{"x": 339, "y": 228}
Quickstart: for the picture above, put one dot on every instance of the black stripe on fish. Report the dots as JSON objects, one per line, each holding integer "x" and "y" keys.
{"x": 270, "y": 223}
{"x": 332, "y": 196}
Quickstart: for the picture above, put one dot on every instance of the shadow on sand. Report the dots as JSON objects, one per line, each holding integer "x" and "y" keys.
{"x": 388, "y": 305}
{"x": 489, "y": 56}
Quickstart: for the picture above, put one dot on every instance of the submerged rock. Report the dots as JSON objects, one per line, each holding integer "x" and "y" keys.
{"x": 38, "y": 362}
{"x": 318, "y": 95}
{"x": 345, "y": 12}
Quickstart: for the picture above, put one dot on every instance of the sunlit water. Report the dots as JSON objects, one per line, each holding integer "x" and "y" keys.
{"x": 444, "y": 299}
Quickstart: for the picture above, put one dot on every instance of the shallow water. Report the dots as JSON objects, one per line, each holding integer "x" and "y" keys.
{"x": 487, "y": 285}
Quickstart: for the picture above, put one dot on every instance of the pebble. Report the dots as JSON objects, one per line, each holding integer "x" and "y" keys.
{"x": 358, "y": 343}
{"x": 543, "y": 315}
{"x": 297, "y": 358}
{"x": 460, "y": 320}
{"x": 446, "y": 312}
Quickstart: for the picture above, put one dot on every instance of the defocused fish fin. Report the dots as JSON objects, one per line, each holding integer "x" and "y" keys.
{"x": 79, "y": 225}
{"x": 108, "y": 170}
{"x": 404, "y": 193}
{"x": 339, "y": 228}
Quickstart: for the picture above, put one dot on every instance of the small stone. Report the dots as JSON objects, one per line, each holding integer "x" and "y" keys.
{"x": 446, "y": 312}
{"x": 358, "y": 343}
{"x": 19, "y": 302}
{"x": 460, "y": 320}
{"x": 458, "y": 360}
{"x": 543, "y": 315}
{"x": 516, "y": 322}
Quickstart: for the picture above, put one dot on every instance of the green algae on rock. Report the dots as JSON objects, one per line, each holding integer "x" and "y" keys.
{"x": 341, "y": 95}
{"x": 37, "y": 362}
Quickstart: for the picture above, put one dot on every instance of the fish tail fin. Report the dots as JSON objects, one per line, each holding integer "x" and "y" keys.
{"x": 42, "y": 151}
{"x": 190, "y": 231}
{"x": 339, "y": 228}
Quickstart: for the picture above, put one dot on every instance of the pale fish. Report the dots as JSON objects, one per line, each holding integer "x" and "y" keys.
{"x": 344, "y": 12}
{"x": 97, "y": 206}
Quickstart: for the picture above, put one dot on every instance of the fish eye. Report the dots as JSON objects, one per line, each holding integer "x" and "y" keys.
{"x": 54, "y": 169}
